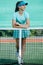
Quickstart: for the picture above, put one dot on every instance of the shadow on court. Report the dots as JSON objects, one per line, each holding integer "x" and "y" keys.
{"x": 8, "y": 62}
{"x": 14, "y": 62}
{"x": 31, "y": 64}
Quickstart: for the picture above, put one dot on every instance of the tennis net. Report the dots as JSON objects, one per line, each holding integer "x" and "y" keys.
{"x": 33, "y": 52}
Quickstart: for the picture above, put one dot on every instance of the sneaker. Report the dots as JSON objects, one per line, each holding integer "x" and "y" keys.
{"x": 22, "y": 61}
{"x": 19, "y": 60}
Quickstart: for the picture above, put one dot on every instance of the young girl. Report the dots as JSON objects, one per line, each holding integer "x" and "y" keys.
{"x": 20, "y": 20}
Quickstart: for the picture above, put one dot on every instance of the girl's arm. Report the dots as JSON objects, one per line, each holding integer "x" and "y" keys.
{"x": 13, "y": 23}
{"x": 26, "y": 25}
{"x": 17, "y": 25}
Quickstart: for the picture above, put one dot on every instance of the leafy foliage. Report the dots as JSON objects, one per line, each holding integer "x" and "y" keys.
{"x": 9, "y": 33}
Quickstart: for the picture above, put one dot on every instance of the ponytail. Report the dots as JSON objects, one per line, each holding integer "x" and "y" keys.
{"x": 17, "y": 8}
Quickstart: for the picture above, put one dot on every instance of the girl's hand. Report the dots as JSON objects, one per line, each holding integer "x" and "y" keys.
{"x": 17, "y": 24}
{"x": 23, "y": 26}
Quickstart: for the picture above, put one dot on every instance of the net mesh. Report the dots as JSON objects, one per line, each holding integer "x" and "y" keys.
{"x": 33, "y": 51}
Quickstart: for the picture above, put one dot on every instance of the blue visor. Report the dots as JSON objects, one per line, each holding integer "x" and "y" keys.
{"x": 22, "y": 3}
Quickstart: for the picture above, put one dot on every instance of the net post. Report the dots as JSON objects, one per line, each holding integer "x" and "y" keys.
{"x": 20, "y": 42}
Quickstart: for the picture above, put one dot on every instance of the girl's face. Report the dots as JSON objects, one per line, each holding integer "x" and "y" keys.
{"x": 22, "y": 7}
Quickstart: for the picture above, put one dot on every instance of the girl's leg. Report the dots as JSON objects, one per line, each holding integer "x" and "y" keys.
{"x": 23, "y": 45}
{"x": 17, "y": 44}
{"x": 17, "y": 47}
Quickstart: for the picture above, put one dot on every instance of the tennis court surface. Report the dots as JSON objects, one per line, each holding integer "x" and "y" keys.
{"x": 33, "y": 54}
